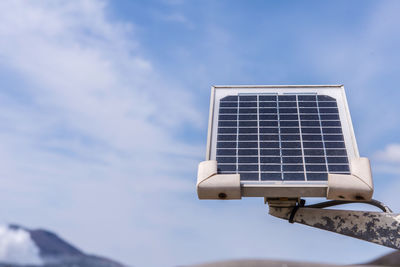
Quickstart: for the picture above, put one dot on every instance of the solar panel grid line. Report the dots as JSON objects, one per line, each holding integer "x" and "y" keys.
{"x": 280, "y": 143}
{"x": 301, "y": 138}
{"x": 237, "y": 135}
{"x": 258, "y": 141}
{"x": 323, "y": 140}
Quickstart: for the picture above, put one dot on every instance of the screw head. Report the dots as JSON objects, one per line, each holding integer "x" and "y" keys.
{"x": 222, "y": 195}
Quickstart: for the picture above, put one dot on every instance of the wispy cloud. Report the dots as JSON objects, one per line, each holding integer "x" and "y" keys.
{"x": 176, "y": 17}
{"x": 90, "y": 127}
{"x": 16, "y": 246}
{"x": 390, "y": 154}
{"x": 388, "y": 159}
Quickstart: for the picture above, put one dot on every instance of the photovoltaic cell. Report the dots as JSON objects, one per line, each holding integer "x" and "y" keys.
{"x": 294, "y": 137}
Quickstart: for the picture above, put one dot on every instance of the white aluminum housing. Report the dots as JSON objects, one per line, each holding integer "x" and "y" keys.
{"x": 357, "y": 186}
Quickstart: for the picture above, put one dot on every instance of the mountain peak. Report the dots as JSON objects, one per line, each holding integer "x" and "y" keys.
{"x": 49, "y": 243}
{"x": 52, "y": 249}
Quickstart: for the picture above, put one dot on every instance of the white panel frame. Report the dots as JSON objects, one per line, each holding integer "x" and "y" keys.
{"x": 279, "y": 188}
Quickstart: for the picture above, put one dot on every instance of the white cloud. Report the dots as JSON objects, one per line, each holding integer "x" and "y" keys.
{"x": 87, "y": 85}
{"x": 16, "y": 246}
{"x": 88, "y": 127}
{"x": 390, "y": 154}
{"x": 175, "y": 17}
{"x": 388, "y": 159}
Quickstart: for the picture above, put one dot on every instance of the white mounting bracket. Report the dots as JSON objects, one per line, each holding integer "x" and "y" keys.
{"x": 211, "y": 185}
{"x": 356, "y": 186}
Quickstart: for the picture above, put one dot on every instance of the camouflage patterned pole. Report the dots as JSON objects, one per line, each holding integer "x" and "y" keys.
{"x": 382, "y": 228}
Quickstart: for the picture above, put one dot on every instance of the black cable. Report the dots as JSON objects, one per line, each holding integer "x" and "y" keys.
{"x": 332, "y": 203}
{"x": 295, "y": 209}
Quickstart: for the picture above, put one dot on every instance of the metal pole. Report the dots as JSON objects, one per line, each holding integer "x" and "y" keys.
{"x": 381, "y": 228}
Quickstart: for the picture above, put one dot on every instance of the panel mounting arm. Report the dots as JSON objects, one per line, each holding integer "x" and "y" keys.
{"x": 381, "y": 228}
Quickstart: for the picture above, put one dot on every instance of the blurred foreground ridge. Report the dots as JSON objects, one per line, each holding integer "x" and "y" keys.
{"x": 391, "y": 259}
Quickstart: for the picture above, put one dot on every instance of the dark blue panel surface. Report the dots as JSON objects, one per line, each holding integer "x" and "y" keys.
{"x": 247, "y": 159}
{"x": 287, "y": 104}
{"x": 271, "y": 144}
{"x": 226, "y": 144}
{"x": 287, "y": 98}
{"x": 268, "y": 124}
{"x": 313, "y": 145}
{"x": 244, "y": 167}
{"x": 312, "y": 176}
{"x": 318, "y": 168}
{"x": 249, "y": 176}
{"x": 247, "y": 130}
{"x": 277, "y": 176}
{"x": 269, "y": 130}
{"x": 228, "y": 124}
{"x": 227, "y": 110}
{"x": 247, "y": 152}
{"x": 291, "y": 152}
{"x": 226, "y": 152}
{"x": 308, "y": 104}
{"x": 289, "y": 130}
{"x": 291, "y": 145}
{"x": 247, "y": 123}
{"x": 248, "y": 137}
{"x": 267, "y": 104}
{"x": 327, "y": 104}
{"x": 226, "y": 137}
{"x": 292, "y": 168}
{"x": 269, "y": 137}
{"x": 247, "y": 145}
{"x": 307, "y": 98}
{"x": 288, "y": 110}
{"x": 314, "y": 160}
{"x": 337, "y": 160}
{"x": 247, "y": 98}
{"x": 227, "y": 130}
{"x": 226, "y": 159}
{"x": 292, "y": 160}
{"x": 247, "y": 110}
{"x": 293, "y": 176}
{"x": 308, "y": 110}
{"x": 270, "y": 168}
{"x": 289, "y": 123}
{"x": 268, "y": 110}
{"x": 228, "y": 104}
{"x": 267, "y": 98}
{"x": 280, "y": 138}
{"x": 269, "y": 160}
{"x": 270, "y": 152}
{"x": 247, "y": 104}
{"x": 229, "y": 98}
{"x": 226, "y": 167}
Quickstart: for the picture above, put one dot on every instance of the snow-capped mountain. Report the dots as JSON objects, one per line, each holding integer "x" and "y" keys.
{"x": 20, "y": 246}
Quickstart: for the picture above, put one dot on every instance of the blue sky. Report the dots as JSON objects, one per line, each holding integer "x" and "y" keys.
{"x": 104, "y": 109}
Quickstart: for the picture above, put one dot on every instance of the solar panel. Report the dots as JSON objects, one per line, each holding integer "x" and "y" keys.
{"x": 281, "y": 140}
{"x": 289, "y": 137}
